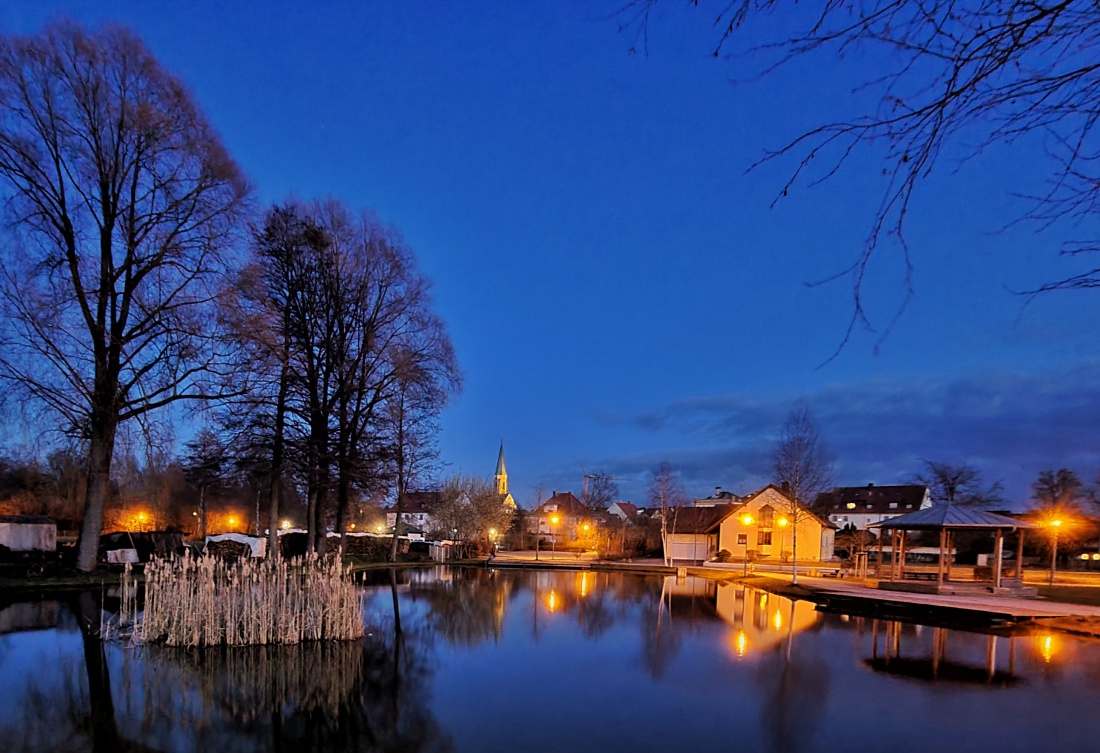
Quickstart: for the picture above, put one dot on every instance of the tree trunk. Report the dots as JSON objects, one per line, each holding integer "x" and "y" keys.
{"x": 100, "y": 452}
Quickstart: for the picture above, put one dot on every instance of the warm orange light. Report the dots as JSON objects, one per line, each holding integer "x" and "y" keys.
{"x": 352, "y": 526}
{"x": 492, "y": 532}
{"x": 379, "y": 528}
{"x": 232, "y": 521}
{"x": 777, "y": 620}
{"x": 1056, "y": 522}
{"x": 783, "y": 522}
{"x": 584, "y": 585}
{"x": 1047, "y": 647}
{"x": 742, "y": 643}
{"x": 552, "y": 601}
{"x": 286, "y": 525}
{"x": 141, "y": 517}
{"x": 585, "y": 527}
{"x": 747, "y": 520}
{"x": 554, "y": 519}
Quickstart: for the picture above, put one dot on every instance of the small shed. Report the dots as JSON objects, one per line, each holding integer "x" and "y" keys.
{"x": 948, "y": 520}
{"x": 28, "y": 533}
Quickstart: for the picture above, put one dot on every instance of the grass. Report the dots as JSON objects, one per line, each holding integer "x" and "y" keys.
{"x": 205, "y": 601}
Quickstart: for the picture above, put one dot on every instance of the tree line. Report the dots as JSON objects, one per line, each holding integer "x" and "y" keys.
{"x": 136, "y": 279}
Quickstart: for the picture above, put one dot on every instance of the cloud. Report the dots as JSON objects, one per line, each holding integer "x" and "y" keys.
{"x": 1009, "y": 424}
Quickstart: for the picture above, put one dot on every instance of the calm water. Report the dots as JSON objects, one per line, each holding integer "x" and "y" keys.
{"x": 557, "y": 661}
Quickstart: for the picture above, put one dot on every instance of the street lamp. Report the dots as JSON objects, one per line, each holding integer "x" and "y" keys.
{"x": 783, "y": 523}
{"x": 746, "y": 520}
{"x": 553, "y": 537}
{"x": 1055, "y": 525}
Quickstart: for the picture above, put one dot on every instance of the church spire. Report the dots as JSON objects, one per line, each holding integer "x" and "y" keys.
{"x": 501, "y": 476}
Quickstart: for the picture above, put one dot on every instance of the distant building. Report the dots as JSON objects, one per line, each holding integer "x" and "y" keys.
{"x": 569, "y": 513}
{"x": 500, "y": 480}
{"x": 416, "y": 510}
{"x": 768, "y": 532}
{"x": 860, "y": 506}
{"x": 720, "y": 497}
{"x": 624, "y": 511}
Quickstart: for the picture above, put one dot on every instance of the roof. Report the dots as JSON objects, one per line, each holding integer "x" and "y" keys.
{"x": 951, "y": 516}
{"x": 871, "y": 499}
{"x": 419, "y": 502}
{"x": 803, "y": 508}
{"x": 36, "y": 520}
{"x": 629, "y": 509}
{"x": 566, "y": 502}
{"x": 697, "y": 519}
{"x": 500, "y": 461}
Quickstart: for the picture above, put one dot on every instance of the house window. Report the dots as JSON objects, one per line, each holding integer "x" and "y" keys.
{"x": 742, "y": 539}
{"x": 764, "y": 538}
{"x": 767, "y": 516}
{"x": 893, "y": 505}
{"x": 851, "y": 505}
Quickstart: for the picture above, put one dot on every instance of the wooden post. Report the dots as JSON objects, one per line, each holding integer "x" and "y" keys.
{"x": 950, "y": 546}
{"x": 901, "y": 555}
{"x": 878, "y": 565}
{"x": 1020, "y": 555}
{"x": 998, "y": 545}
{"x": 943, "y": 541}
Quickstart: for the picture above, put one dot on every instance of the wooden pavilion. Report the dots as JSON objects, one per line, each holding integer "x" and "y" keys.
{"x": 948, "y": 520}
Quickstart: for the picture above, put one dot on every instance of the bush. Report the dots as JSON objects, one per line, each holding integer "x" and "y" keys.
{"x": 725, "y": 555}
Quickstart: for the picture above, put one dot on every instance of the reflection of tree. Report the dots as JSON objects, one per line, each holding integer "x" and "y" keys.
{"x": 469, "y": 608}
{"x": 796, "y": 688}
{"x": 660, "y": 642}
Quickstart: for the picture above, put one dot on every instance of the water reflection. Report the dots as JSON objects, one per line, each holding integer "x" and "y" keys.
{"x": 483, "y": 660}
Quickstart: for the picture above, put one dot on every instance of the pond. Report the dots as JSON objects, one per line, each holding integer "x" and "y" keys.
{"x": 476, "y": 660}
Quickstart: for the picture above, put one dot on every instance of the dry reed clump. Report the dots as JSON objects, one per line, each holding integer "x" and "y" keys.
{"x": 205, "y": 601}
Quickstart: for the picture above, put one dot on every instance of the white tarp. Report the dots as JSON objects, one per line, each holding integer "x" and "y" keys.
{"x": 257, "y": 543}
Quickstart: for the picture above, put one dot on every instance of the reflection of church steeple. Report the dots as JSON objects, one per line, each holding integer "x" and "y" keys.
{"x": 501, "y": 474}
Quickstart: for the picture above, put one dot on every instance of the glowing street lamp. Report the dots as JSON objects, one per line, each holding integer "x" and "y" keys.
{"x": 746, "y": 520}
{"x": 1055, "y": 525}
{"x": 783, "y": 523}
{"x": 553, "y": 537}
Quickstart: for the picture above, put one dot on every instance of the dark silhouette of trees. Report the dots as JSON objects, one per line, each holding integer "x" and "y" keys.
{"x": 950, "y": 484}
{"x": 599, "y": 491}
{"x": 120, "y": 202}
{"x": 958, "y": 78}
{"x": 1059, "y": 492}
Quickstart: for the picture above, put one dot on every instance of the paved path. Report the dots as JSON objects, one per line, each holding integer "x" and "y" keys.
{"x": 1017, "y": 607}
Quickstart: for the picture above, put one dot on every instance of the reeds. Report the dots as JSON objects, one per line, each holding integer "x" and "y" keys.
{"x": 205, "y": 601}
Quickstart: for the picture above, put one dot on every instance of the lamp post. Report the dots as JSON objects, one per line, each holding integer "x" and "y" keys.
{"x": 1055, "y": 525}
{"x": 493, "y": 540}
{"x": 783, "y": 523}
{"x": 746, "y": 520}
{"x": 553, "y": 537}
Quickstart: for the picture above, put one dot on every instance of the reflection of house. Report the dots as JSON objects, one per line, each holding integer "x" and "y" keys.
{"x": 763, "y": 527}
{"x": 859, "y": 506}
{"x": 560, "y": 517}
{"x": 416, "y": 510}
{"x": 761, "y": 619}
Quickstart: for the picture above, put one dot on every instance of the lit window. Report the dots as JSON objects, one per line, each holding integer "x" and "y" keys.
{"x": 742, "y": 539}
{"x": 851, "y": 505}
{"x": 893, "y": 505}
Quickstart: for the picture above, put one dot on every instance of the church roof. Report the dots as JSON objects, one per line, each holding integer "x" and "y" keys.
{"x": 500, "y": 461}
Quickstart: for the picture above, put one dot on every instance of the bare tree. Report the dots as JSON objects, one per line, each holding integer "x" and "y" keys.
{"x": 950, "y": 484}
{"x": 599, "y": 491}
{"x": 968, "y": 75}
{"x": 803, "y": 469}
{"x": 1059, "y": 492}
{"x": 121, "y": 199}
{"x": 666, "y": 494}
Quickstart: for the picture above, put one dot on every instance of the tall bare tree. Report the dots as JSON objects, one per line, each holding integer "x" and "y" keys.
{"x": 666, "y": 494}
{"x": 955, "y": 77}
{"x": 599, "y": 491}
{"x": 1059, "y": 492}
{"x": 803, "y": 469}
{"x": 120, "y": 202}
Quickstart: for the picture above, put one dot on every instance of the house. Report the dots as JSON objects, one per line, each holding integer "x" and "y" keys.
{"x": 416, "y": 510}
{"x": 28, "y": 533}
{"x": 762, "y": 527}
{"x": 627, "y": 512}
{"x": 720, "y": 497}
{"x": 860, "y": 506}
{"x": 691, "y": 533}
{"x": 562, "y": 517}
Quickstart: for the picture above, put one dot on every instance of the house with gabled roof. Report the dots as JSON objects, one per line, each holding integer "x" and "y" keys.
{"x": 861, "y": 506}
{"x": 691, "y": 533}
{"x": 764, "y": 528}
{"x": 416, "y": 510}
{"x": 624, "y": 511}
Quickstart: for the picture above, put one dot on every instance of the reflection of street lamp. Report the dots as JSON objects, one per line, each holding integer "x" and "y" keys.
{"x": 553, "y": 537}
{"x": 1054, "y": 526}
{"x": 746, "y": 520}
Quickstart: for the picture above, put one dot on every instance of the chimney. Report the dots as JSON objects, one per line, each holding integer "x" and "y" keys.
{"x": 870, "y": 486}
{"x": 717, "y": 492}
{"x": 786, "y": 487}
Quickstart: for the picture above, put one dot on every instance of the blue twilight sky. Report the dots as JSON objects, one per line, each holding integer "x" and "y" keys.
{"x": 618, "y": 290}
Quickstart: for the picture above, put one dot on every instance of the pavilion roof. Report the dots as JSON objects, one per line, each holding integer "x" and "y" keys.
{"x": 951, "y": 516}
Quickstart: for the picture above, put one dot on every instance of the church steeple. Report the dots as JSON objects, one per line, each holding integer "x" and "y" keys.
{"x": 501, "y": 476}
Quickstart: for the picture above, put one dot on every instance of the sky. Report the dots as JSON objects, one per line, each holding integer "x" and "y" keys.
{"x": 620, "y": 288}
